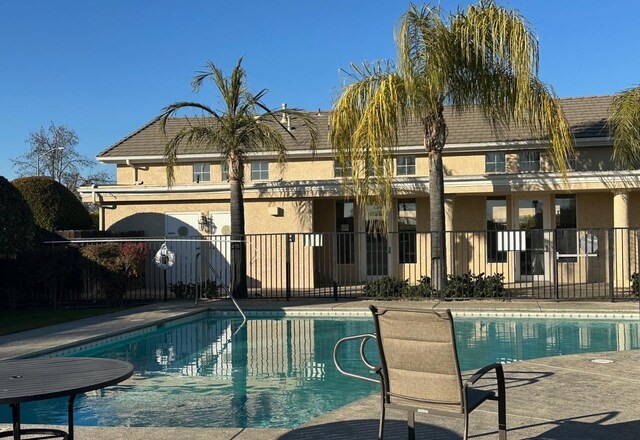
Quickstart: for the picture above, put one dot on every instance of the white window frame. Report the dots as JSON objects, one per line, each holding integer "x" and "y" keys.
{"x": 338, "y": 171}
{"x": 527, "y": 157}
{"x": 495, "y": 163}
{"x": 224, "y": 171}
{"x": 260, "y": 170}
{"x": 406, "y": 166}
{"x": 201, "y": 172}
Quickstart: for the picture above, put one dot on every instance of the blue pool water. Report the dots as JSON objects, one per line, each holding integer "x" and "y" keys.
{"x": 280, "y": 373}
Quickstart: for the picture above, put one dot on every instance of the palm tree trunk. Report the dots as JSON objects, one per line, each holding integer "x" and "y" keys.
{"x": 238, "y": 245}
{"x": 435, "y": 131}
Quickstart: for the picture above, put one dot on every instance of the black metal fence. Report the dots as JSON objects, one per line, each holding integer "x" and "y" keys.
{"x": 561, "y": 264}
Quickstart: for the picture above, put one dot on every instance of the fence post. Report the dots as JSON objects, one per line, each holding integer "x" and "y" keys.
{"x": 165, "y": 285}
{"x": 611, "y": 268}
{"x": 290, "y": 239}
{"x": 556, "y": 266}
{"x": 335, "y": 291}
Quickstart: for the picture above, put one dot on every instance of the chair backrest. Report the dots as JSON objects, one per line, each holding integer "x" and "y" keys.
{"x": 418, "y": 356}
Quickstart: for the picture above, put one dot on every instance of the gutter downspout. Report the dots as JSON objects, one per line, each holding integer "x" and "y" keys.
{"x": 135, "y": 171}
{"x": 96, "y": 199}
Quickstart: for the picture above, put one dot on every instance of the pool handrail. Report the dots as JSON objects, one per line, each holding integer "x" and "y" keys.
{"x": 366, "y": 337}
{"x": 224, "y": 286}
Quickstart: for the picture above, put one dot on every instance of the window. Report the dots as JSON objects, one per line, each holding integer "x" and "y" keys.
{"x": 201, "y": 172}
{"x": 494, "y": 163}
{"x": 496, "y": 221}
{"x": 260, "y": 170}
{"x": 407, "y": 231}
{"x": 344, "y": 232}
{"x": 529, "y": 161}
{"x": 338, "y": 171}
{"x": 224, "y": 174}
{"x": 406, "y": 166}
{"x": 566, "y": 224}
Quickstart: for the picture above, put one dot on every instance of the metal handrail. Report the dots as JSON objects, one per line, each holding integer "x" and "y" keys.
{"x": 224, "y": 286}
{"x": 365, "y": 338}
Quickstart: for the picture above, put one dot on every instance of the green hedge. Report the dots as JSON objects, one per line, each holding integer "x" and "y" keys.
{"x": 17, "y": 230}
{"x": 466, "y": 285}
{"x": 54, "y": 207}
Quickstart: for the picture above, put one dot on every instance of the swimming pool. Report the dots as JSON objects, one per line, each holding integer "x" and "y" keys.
{"x": 278, "y": 372}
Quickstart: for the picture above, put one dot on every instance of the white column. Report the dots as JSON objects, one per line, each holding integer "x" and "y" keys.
{"x": 621, "y": 239}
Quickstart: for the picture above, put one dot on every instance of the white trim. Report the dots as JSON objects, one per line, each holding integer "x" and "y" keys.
{"x": 449, "y": 150}
{"x": 484, "y": 183}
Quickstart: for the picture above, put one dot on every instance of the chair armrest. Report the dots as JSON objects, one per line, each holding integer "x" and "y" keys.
{"x": 484, "y": 370}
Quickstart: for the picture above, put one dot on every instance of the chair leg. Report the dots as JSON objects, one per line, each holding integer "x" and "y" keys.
{"x": 465, "y": 435}
{"x": 411, "y": 425}
{"x": 381, "y": 426}
{"x": 502, "y": 417}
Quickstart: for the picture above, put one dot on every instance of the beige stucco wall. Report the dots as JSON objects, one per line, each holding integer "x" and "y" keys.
{"x": 594, "y": 210}
{"x": 467, "y": 164}
{"x": 292, "y": 216}
{"x": 588, "y": 159}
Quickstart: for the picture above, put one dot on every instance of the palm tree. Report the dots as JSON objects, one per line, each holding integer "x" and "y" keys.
{"x": 243, "y": 126}
{"x": 624, "y": 125}
{"x": 484, "y": 58}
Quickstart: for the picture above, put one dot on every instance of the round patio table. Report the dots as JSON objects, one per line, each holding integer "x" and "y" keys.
{"x": 25, "y": 380}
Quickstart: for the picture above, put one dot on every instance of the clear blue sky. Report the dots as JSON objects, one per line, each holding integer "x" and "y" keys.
{"x": 105, "y": 68}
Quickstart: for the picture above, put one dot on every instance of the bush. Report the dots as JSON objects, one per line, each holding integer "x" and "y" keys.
{"x": 208, "y": 289}
{"x": 54, "y": 207}
{"x": 469, "y": 285}
{"x": 115, "y": 263}
{"x": 459, "y": 286}
{"x": 635, "y": 284}
{"x": 386, "y": 287}
{"x": 17, "y": 230}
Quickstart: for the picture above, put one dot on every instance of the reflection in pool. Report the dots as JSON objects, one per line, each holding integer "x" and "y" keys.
{"x": 280, "y": 373}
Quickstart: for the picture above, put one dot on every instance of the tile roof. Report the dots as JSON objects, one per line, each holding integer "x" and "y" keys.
{"x": 586, "y": 115}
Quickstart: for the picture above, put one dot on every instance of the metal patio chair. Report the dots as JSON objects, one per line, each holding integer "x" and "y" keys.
{"x": 419, "y": 370}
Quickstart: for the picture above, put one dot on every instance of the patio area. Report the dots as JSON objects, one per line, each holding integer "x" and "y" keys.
{"x": 562, "y": 397}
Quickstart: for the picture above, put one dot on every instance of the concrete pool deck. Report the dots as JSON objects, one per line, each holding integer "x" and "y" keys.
{"x": 561, "y": 397}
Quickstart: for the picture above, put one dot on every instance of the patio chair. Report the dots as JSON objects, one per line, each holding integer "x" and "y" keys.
{"x": 419, "y": 370}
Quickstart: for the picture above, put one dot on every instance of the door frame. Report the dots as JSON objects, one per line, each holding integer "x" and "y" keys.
{"x": 546, "y": 226}
{"x": 361, "y": 227}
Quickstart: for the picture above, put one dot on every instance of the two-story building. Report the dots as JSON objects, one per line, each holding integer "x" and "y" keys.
{"x": 494, "y": 183}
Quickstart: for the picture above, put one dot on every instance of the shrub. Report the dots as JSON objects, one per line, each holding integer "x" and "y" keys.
{"x": 115, "y": 263}
{"x": 208, "y": 289}
{"x": 459, "y": 286}
{"x": 54, "y": 207}
{"x": 635, "y": 284}
{"x": 17, "y": 230}
{"x": 386, "y": 287}
{"x": 469, "y": 285}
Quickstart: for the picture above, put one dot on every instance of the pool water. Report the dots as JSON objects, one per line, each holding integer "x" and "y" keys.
{"x": 280, "y": 372}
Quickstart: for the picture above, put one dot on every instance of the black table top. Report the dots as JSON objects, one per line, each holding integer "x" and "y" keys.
{"x": 24, "y": 380}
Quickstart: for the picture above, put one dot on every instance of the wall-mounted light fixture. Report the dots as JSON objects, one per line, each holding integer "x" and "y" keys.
{"x": 204, "y": 222}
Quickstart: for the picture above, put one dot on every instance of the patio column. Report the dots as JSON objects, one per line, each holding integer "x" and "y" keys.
{"x": 621, "y": 239}
{"x": 449, "y": 202}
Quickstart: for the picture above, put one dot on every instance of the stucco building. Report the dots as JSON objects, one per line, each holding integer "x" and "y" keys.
{"x": 494, "y": 183}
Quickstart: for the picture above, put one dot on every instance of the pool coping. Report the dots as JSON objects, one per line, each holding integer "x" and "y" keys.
{"x": 44, "y": 341}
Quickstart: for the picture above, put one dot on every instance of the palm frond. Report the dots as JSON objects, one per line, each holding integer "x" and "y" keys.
{"x": 364, "y": 131}
{"x": 235, "y": 131}
{"x": 624, "y": 127}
